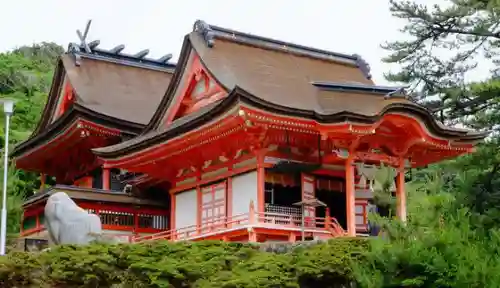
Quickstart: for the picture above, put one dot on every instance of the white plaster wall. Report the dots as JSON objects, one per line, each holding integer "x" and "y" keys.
{"x": 244, "y": 191}
{"x": 186, "y": 204}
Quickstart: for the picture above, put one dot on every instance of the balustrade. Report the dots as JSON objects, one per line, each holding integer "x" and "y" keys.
{"x": 116, "y": 220}
{"x": 287, "y": 218}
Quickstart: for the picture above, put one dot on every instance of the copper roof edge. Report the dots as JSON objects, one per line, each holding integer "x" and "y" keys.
{"x": 209, "y": 32}
{"x": 395, "y": 91}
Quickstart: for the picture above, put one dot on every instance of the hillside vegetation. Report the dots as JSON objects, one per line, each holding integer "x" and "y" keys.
{"x": 451, "y": 239}
{"x": 25, "y": 76}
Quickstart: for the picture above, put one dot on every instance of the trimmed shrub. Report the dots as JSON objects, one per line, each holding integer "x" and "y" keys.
{"x": 183, "y": 264}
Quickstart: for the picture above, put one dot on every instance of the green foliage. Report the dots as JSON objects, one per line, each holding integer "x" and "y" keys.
{"x": 444, "y": 45}
{"x": 382, "y": 190}
{"x": 439, "y": 246}
{"x": 452, "y": 236}
{"x": 25, "y": 76}
{"x": 183, "y": 264}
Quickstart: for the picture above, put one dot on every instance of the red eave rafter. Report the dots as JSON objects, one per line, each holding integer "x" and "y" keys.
{"x": 74, "y": 133}
{"x": 416, "y": 134}
{"x": 196, "y": 158}
{"x": 346, "y": 133}
{"x": 179, "y": 144}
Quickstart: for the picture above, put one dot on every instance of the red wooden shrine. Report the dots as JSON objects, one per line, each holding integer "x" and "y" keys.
{"x": 251, "y": 139}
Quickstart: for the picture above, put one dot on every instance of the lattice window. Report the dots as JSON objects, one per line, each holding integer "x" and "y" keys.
{"x": 153, "y": 221}
{"x": 283, "y": 210}
{"x": 213, "y": 206}
{"x": 283, "y": 215}
{"x": 116, "y": 218}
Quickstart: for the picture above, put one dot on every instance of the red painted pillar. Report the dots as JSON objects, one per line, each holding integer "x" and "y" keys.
{"x": 229, "y": 200}
{"x": 350, "y": 197}
{"x": 105, "y": 179}
{"x": 199, "y": 199}
{"x": 172, "y": 215}
{"x": 261, "y": 182}
{"x": 136, "y": 221}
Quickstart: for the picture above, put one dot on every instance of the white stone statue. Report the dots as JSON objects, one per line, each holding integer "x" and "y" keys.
{"x": 69, "y": 224}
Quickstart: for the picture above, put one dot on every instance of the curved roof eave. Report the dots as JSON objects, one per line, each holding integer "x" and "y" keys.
{"x": 179, "y": 126}
{"x": 238, "y": 94}
{"x": 414, "y": 109}
{"x": 176, "y": 78}
{"x": 51, "y": 99}
{"x": 75, "y": 112}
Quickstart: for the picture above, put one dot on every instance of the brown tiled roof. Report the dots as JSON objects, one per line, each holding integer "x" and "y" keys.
{"x": 277, "y": 77}
{"x": 284, "y": 77}
{"x": 174, "y": 129}
{"x": 123, "y": 92}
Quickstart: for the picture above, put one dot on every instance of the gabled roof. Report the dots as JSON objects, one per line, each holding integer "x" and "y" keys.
{"x": 117, "y": 89}
{"x": 111, "y": 84}
{"x": 283, "y": 78}
{"x": 264, "y": 67}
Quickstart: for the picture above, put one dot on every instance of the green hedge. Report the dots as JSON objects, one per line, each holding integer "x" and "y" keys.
{"x": 183, "y": 264}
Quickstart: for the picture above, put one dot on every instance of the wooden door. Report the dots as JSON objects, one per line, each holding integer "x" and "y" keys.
{"x": 213, "y": 206}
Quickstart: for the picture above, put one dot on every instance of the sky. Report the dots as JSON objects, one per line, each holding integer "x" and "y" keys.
{"x": 351, "y": 27}
{"x": 354, "y": 26}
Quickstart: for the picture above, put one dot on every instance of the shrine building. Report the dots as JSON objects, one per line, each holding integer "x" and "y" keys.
{"x": 244, "y": 139}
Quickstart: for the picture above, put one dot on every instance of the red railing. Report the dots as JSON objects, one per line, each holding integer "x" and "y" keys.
{"x": 251, "y": 219}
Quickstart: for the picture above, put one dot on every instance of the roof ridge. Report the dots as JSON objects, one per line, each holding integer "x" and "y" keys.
{"x": 114, "y": 55}
{"x": 90, "y": 50}
{"x": 208, "y": 32}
